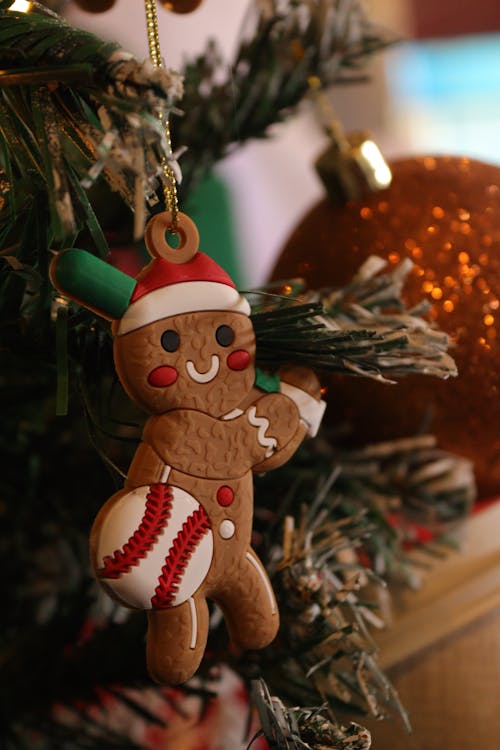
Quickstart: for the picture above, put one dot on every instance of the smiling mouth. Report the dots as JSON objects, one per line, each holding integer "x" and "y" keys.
{"x": 203, "y": 377}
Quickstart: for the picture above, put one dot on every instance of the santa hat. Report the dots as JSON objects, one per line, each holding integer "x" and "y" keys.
{"x": 164, "y": 289}
{"x": 175, "y": 282}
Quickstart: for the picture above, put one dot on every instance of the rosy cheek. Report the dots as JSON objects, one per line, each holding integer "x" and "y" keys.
{"x": 162, "y": 376}
{"x": 238, "y": 360}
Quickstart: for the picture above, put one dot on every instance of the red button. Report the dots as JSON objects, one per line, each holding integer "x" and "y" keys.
{"x": 225, "y": 496}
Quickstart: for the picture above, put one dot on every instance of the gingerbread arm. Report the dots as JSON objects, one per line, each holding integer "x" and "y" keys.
{"x": 298, "y": 386}
{"x": 280, "y": 457}
{"x": 200, "y": 445}
{"x": 146, "y": 468}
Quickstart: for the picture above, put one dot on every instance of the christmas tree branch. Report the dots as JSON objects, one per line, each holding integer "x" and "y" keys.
{"x": 363, "y": 329}
{"x": 283, "y": 45}
{"x": 409, "y": 478}
{"x": 345, "y": 505}
{"x": 324, "y": 653}
{"x": 304, "y": 728}
{"x": 94, "y": 109}
{"x": 73, "y": 107}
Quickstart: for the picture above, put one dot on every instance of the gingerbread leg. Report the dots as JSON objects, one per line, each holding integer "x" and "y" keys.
{"x": 176, "y": 640}
{"x": 248, "y": 604}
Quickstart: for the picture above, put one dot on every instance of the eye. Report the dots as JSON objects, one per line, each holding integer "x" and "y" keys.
{"x": 224, "y": 335}
{"x": 170, "y": 340}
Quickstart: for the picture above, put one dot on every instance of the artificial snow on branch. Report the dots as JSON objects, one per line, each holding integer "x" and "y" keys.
{"x": 284, "y": 43}
{"x": 337, "y": 524}
{"x": 304, "y": 728}
{"x": 73, "y": 107}
{"x": 362, "y": 329}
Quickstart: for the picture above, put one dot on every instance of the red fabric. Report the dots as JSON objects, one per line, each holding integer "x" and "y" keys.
{"x": 126, "y": 259}
{"x": 483, "y": 504}
{"x": 416, "y": 534}
{"x": 219, "y": 724}
{"x": 449, "y": 18}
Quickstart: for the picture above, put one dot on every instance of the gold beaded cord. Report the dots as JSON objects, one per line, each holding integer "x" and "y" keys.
{"x": 170, "y": 187}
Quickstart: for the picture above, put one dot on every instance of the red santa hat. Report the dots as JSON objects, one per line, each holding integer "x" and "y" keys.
{"x": 164, "y": 288}
{"x": 175, "y": 282}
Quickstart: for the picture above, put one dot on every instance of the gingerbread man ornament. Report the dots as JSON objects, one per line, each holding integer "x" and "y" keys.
{"x": 179, "y": 531}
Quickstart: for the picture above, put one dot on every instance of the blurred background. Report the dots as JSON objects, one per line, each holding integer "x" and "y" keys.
{"x": 438, "y": 91}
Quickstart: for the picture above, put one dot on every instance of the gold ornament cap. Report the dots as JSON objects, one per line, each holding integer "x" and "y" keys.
{"x": 353, "y": 168}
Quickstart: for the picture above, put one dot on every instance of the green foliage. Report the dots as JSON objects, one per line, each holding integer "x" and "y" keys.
{"x": 72, "y": 108}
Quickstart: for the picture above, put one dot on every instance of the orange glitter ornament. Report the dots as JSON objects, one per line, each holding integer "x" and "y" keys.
{"x": 444, "y": 213}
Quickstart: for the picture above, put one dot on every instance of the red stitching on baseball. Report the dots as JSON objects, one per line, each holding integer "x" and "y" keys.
{"x": 179, "y": 554}
{"x": 154, "y": 520}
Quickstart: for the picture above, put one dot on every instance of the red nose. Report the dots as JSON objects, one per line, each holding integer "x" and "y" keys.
{"x": 162, "y": 376}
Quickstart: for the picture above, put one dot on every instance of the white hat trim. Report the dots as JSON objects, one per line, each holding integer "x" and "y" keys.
{"x": 183, "y": 297}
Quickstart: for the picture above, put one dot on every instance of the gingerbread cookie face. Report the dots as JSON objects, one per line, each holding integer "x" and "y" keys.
{"x": 201, "y": 360}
